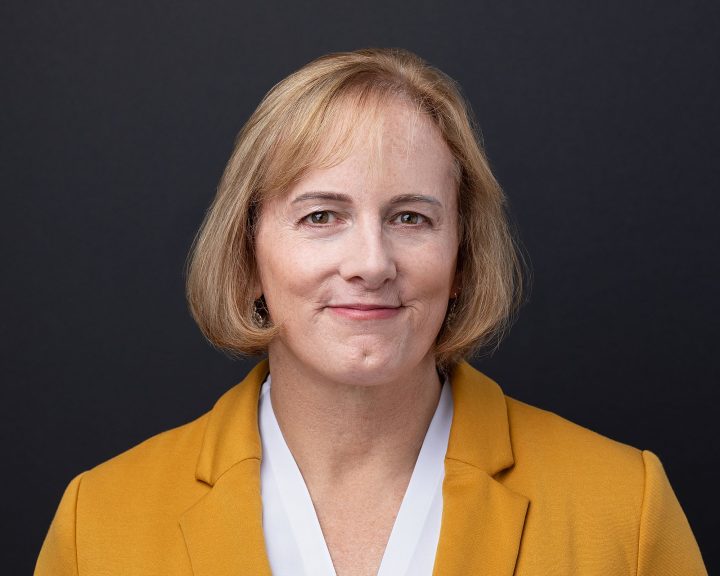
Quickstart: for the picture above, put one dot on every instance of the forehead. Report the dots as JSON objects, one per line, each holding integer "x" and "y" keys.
{"x": 401, "y": 144}
{"x": 394, "y": 128}
{"x": 374, "y": 134}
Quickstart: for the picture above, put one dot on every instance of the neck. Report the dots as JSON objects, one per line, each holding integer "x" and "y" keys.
{"x": 339, "y": 432}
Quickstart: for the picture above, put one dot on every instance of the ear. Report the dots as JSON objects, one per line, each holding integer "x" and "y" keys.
{"x": 257, "y": 287}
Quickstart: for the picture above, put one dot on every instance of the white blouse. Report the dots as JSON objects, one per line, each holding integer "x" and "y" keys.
{"x": 293, "y": 537}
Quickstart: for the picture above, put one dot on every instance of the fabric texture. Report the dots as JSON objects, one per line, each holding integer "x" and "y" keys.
{"x": 525, "y": 493}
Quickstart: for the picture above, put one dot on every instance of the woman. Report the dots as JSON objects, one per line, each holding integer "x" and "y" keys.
{"x": 359, "y": 238}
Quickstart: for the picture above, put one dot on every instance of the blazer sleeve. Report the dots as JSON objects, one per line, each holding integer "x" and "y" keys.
{"x": 666, "y": 544}
{"x": 58, "y": 556}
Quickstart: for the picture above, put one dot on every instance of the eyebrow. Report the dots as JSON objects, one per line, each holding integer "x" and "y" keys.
{"x": 338, "y": 197}
{"x": 405, "y": 198}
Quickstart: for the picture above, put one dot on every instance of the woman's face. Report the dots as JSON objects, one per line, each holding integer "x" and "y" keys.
{"x": 357, "y": 261}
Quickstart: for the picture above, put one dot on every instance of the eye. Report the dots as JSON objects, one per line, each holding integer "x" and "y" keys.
{"x": 320, "y": 217}
{"x": 410, "y": 219}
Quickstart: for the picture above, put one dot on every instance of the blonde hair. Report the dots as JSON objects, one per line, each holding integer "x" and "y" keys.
{"x": 287, "y": 135}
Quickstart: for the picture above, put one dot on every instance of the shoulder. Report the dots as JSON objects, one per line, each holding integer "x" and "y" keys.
{"x": 568, "y": 471}
{"x": 544, "y": 442}
{"x": 125, "y": 512}
{"x": 196, "y": 453}
{"x": 597, "y": 495}
{"x": 507, "y": 436}
{"x": 168, "y": 449}
{"x": 130, "y": 502}
{"x": 570, "y": 475}
{"x": 170, "y": 471}
{"x": 147, "y": 474}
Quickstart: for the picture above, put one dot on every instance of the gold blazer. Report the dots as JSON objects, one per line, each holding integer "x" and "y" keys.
{"x": 525, "y": 492}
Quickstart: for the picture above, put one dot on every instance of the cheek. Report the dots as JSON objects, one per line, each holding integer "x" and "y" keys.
{"x": 433, "y": 271}
{"x": 291, "y": 276}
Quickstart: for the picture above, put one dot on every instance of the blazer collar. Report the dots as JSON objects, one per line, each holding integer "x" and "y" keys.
{"x": 223, "y": 530}
{"x": 232, "y": 434}
{"x": 482, "y": 520}
{"x": 480, "y": 432}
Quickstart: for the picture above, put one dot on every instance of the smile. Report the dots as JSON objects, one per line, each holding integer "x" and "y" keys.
{"x": 365, "y": 311}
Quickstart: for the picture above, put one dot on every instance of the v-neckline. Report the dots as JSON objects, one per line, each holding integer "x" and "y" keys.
{"x": 418, "y": 519}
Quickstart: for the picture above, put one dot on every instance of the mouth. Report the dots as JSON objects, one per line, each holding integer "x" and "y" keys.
{"x": 357, "y": 311}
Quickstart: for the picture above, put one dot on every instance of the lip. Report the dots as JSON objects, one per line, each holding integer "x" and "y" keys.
{"x": 358, "y": 311}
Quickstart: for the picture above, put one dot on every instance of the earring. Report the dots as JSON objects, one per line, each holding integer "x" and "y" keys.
{"x": 260, "y": 312}
{"x": 450, "y": 315}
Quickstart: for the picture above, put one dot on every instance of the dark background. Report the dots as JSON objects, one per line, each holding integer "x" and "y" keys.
{"x": 601, "y": 122}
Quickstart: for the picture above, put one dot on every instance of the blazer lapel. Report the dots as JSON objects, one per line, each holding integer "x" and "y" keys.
{"x": 482, "y": 520}
{"x": 223, "y": 530}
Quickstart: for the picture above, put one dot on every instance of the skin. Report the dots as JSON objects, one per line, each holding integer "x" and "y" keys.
{"x": 357, "y": 263}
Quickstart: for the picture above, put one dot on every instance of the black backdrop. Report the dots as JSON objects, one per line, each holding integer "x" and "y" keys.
{"x": 601, "y": 121}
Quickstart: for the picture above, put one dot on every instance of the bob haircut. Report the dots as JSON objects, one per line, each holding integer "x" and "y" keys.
{"x": 288, "y": 134}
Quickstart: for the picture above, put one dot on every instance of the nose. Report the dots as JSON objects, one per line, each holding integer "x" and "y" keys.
{"x": 368, "y": 257}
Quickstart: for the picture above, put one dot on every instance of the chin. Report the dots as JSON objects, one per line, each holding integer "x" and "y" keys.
{"x": 369, "y": 370}
{"x": 372, "y": 367}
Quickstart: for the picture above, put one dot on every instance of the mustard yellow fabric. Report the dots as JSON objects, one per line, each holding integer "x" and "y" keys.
{"x": 526, "y": 493}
